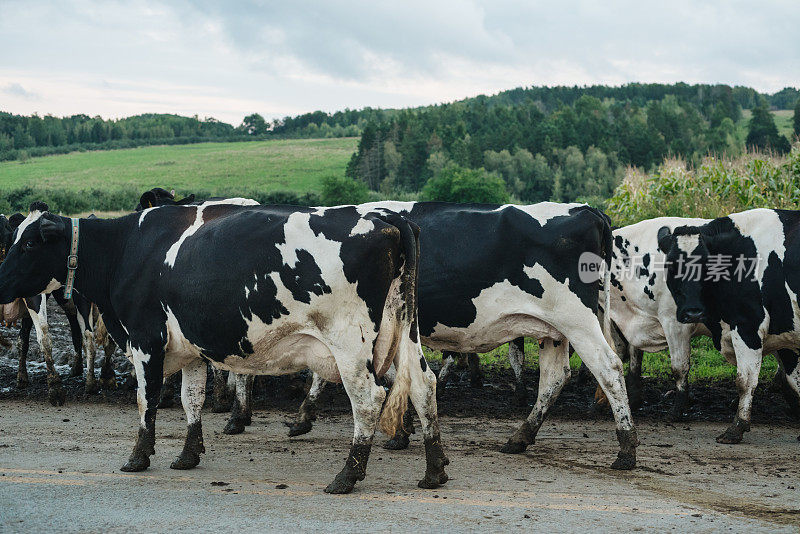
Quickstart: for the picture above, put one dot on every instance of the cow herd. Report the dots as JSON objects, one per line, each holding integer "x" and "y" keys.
{"x": 352, "y": 293}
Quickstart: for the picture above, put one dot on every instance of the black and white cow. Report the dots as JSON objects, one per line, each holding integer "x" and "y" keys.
{"x": 81, "y": 322}
{"x": 490, "y": 274}
{"x": 740, "y": 276}
{"x": 254, "y": 290}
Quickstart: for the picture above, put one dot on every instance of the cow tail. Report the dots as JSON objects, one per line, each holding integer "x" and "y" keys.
{"x": 397, "y": 402}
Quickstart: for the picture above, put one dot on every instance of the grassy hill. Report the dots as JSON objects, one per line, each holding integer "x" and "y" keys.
{"x": 283, "y": 165}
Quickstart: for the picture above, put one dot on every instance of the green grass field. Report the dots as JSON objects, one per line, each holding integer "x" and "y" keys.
{"x": 287, "y": 165}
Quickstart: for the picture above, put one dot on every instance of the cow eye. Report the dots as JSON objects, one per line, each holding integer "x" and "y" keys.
{"x": 29, "y": 245}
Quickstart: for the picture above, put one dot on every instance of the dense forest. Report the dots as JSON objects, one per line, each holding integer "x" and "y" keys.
{"x": 561, "y": 143}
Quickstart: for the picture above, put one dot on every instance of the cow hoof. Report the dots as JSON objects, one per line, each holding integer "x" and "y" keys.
{"x": 187, "y": 460}
{"x": 343, "y": 483}
{"x": 433, "y": 480}
{"x": 625, "y": 461}
{"x": 92, "y": 388}
{"x": 136, "y": 464}
{"x": 399, "y": 442}
{"x": 235, "y": 426}
{"x": 514, "y": 447}
{"x": 730, "y": 437}
{"x": 298, "y": 429}
{"x": 56, "y": 396}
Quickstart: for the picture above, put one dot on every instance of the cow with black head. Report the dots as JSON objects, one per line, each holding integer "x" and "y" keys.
{"x": 740, "y": 276}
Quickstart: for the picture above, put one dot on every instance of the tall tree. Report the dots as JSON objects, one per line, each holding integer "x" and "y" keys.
{"x": 763, "y": 134}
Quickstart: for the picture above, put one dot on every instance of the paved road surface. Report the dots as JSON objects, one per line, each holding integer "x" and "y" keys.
{"x": 59, "y": 471}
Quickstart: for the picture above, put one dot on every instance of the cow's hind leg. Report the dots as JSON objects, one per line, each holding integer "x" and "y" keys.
{"x": 149, "y": 376}
{"x": 423, "y": 397}
{"x": 748, "y": 365}
{"x": 788, "y": 379}
{"x": 242, "y": 411}
{"x": 366, "y": 398}
{"x": 516, "y": 357}
{"x": 193, "y": 395}
{"x": 221, "y": 401}
{"x": 554, "y": 372}
{"x": 307, "y": 412}
{"x": 606, "y": 366}
{"x": 23, "y": 343}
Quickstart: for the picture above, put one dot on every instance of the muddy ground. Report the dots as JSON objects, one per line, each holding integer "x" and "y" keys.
{"x": 59, "y": 467}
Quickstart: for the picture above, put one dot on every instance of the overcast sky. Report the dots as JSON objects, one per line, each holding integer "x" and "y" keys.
{"x": 230, "y": 58}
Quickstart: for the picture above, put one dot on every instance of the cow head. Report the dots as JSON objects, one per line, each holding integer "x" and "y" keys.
{"x": 686, "y": 251}
{"x": 161, "y": 197}
{"x": 37, "y": 258}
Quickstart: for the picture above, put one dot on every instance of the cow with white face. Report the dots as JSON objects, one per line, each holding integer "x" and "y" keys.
{"x": 253, "y": 290}
{"x": 740, "y": 276}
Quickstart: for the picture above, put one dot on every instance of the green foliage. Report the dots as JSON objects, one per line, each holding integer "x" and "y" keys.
{"x": 338, "y": 190}
{"x": 763, "y": 134}
{"x": 458, "y": 184}
{"x": 718, "y": 186}
{"x": 796, "y": 121}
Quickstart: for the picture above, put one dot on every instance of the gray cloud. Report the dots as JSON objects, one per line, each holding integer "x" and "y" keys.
{"x": 276, "y": 57}
{"x": 15, "y": 89}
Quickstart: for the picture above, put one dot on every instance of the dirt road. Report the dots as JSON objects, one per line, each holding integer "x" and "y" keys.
{"x": 59, "y": 471}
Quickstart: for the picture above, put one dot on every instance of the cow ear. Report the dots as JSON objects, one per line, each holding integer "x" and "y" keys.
{"x": 664, "y": 240}
{"x": 148, "y": 200}
{"x": 51, "y": 227}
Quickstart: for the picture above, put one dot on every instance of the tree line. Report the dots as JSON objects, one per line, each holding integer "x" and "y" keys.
{"x": 560, "y": 143}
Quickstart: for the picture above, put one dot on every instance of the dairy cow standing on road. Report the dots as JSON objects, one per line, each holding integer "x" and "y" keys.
{"x": 744, "y": 288}
{"x": 490, "y": 274}
{"x": 255, "y": 290}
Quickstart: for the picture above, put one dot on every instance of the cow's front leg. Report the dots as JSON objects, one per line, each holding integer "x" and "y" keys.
{"x": 307, "y": 412}
{"x": 193, "y": 395}
{"x": 149, "y": 375}
{"x": 366, "y": 399}
{"x": 402, "y": 438}
{"x": 242, "y": 411}
{"x": 554, "y": 372}
{"x": 474, "y": 367}
{"x": 168, "y": 387}
{"x": 680, "y": 350}
{"x": 23, "y": 343}
{"x": 89, "y": 352}
{"x": 220, "y": 394}
{"x": 108, "y": 378}
{"x": 55, "y": 393}
{"x": 516, "y": 357}
{"x": 788, "y": 380}
{"x": 748, "y": 365}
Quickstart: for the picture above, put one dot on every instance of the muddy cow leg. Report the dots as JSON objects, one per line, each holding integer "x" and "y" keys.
{"x": 516, "y": 357}
{"x": 606, "y": 366}
{"x": 423, "y": 397}
{"x": 448, "y": 362}
{"x": 168, "y": 388}
{"x": 633, "y": 381}
{"x": 748, "y": 365}
{"x": 680, "y": 349}
{"x": 554, "y": 372}
{"x": 23, "y": 343}
{"x": 242, "y": 411}
{"x": 193, "y": 395}
{"x": 108, "y": 379}
{"x": 475, "y": 373}
{"x": 149, "y": 368}
{"x": 38, "y": 314}
{"x": 366, "y": 399}
{"x": 76, "y": 330}
{"x": 220, "y": 395}
{"x": 786, "y": 378}
{"x": 307, "y": 412}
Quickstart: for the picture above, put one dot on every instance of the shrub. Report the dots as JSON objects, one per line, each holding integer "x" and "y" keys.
{"x": 338, "y": 190}
{"x": 459, "y": 184}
